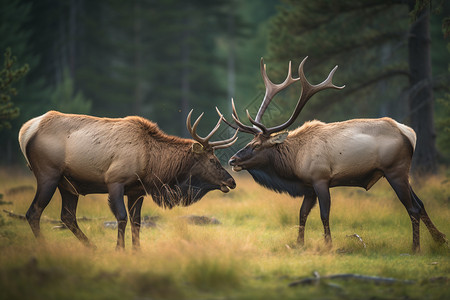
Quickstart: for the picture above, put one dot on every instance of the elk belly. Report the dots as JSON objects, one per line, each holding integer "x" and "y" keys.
{"x": 356, "y": 163}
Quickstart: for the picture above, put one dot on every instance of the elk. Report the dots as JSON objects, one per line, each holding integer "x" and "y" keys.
{"x": 311, "y": 159}
{"x": 80, "y": 154}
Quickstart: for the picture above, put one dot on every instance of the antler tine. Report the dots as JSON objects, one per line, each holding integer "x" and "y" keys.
{"x": 329, "y": 80}
{"x": 234, "y": 126}
{"x": 188, "y": 122}
{"x": 192, "y": 129}
{"x": 259, "y": 125}
{"x": 206, "y": 138}
{"x": 205, "y": 141}
{"x": 225, "y": 120}
{"x": 242, "y": 126}
{"x": 308, "y": 90}
{"x": 226, "y": 143}
{"x": 272, "y": 89}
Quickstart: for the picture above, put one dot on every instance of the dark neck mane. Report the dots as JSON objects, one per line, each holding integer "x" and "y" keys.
{"x": 170, "y": 179}
{"x": 278, "y": 175}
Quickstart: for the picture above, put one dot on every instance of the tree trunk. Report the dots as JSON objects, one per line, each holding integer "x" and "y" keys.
{"x": 421, "y": 94}
{"x": 231, "y": 63}
{"x": 185, "y": 71}
{"x": 138, "y": 83}
{"x": 73, "y": 11}
{"x": 231, "y": 56}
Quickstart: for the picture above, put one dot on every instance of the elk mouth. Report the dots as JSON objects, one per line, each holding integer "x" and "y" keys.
{"x": 234, "y": 165}
{"x": 237, "y": 168}
{"x": 227, "y": 185}
{"x": 224, "y": 189}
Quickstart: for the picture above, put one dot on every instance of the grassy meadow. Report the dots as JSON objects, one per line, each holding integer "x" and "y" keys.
{"x": 251, "y": 254}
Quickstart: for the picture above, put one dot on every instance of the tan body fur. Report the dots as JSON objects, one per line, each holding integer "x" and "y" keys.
{"x": 103, "y": 150}
{"x": 350, "y": 149}
{"x": 316, "y": 156}
{"x": 311, "y": 159}
{"x": 130, "y": 156}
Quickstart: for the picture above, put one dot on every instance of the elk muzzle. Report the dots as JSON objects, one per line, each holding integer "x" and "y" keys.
{"x": 233, "y": 162}
{"x": 227, "y": 185}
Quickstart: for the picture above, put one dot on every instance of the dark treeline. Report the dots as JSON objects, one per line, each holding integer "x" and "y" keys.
{"x": 159, "y": 59}
{"x": 392, "y": 57}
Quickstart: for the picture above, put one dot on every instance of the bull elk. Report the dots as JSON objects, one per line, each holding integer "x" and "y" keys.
{"x": 316, "y": 156}
{"x": 130, "y": 156}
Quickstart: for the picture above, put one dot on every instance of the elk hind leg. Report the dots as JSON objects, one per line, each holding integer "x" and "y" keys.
{"x": 401, "y": 187}
{"x": 69, "y": 217}
{"x": 134, "y": 208}
{"x": 44, "y": 192}
{"x": 117, "y": 205}
{"x": 309, "y": 201}
{"x": 438, "y": 236}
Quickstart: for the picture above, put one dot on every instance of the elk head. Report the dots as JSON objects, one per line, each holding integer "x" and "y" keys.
{"x": 256, "y": 154}
{"x": 205, "y": 173}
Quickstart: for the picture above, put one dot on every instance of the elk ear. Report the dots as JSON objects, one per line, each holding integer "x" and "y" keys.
{"x": 197, "y": 148}
{"x": 278, "y": 138}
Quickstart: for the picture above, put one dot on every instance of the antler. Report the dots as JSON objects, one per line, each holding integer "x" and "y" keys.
{"x": 308, "y": 90}
{"x": 272, "y": 89}
{"x": 205, "y": 141}
{"x": 239, "y": 125}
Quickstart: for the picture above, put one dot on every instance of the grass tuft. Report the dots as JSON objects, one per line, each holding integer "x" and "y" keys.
{"x": 251, "y": 254}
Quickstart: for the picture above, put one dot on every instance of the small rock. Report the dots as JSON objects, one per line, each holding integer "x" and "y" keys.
{"x": 20, "y": 189}
{"x": 201, "y": 220}
{"x": 60, "y": 227}
{"x": 110, "y": 224}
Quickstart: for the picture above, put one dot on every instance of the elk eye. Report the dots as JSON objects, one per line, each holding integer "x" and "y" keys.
{"x": 212, "y": 160}
{"x": 257, "y": 146}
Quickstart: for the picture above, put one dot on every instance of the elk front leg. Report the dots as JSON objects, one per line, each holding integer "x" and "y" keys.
{"x": 309, "y": 201}
{"x": 117, "y": 205}
{"x": 134, "y": 208}
{"x": 323, "y": 193}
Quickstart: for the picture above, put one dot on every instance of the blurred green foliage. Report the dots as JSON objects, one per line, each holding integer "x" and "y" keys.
{"x": 369, "y": 41}
{"x": 159, "y": 59}
{"x": 8, "y": 76}
{"x": 65, "y": 99}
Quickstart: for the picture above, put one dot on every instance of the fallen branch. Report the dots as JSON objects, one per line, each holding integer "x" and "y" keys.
{"x": 20, "y": 189}
{"x": 317, "y": 279}
{"x": 358, "y": 237}
{"x": 201, "y": 220}
{"x": 146, "y": 222}
{"x": 45, "y": 219}
{"x": 14, "y": 215}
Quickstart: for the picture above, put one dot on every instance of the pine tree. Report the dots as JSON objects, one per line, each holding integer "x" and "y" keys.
{"x": 8, "y": 76}
{"x": 369, "y": 40}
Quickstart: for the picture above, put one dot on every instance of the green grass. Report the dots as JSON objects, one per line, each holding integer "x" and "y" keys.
{"x": 252, "y": 254}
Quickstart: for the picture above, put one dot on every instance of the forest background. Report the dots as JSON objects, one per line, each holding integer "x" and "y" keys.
{"x": 160, "y": 59}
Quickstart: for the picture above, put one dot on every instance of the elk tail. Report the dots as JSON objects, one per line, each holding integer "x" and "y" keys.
{"x": 409, "y": 133}
{"x": 27, "y": 131}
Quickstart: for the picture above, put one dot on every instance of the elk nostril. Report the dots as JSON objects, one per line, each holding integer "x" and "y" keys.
{"x": 232, "y": 161}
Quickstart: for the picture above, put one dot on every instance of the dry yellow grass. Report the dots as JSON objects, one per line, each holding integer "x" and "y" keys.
{"x": 251, "y": 254}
